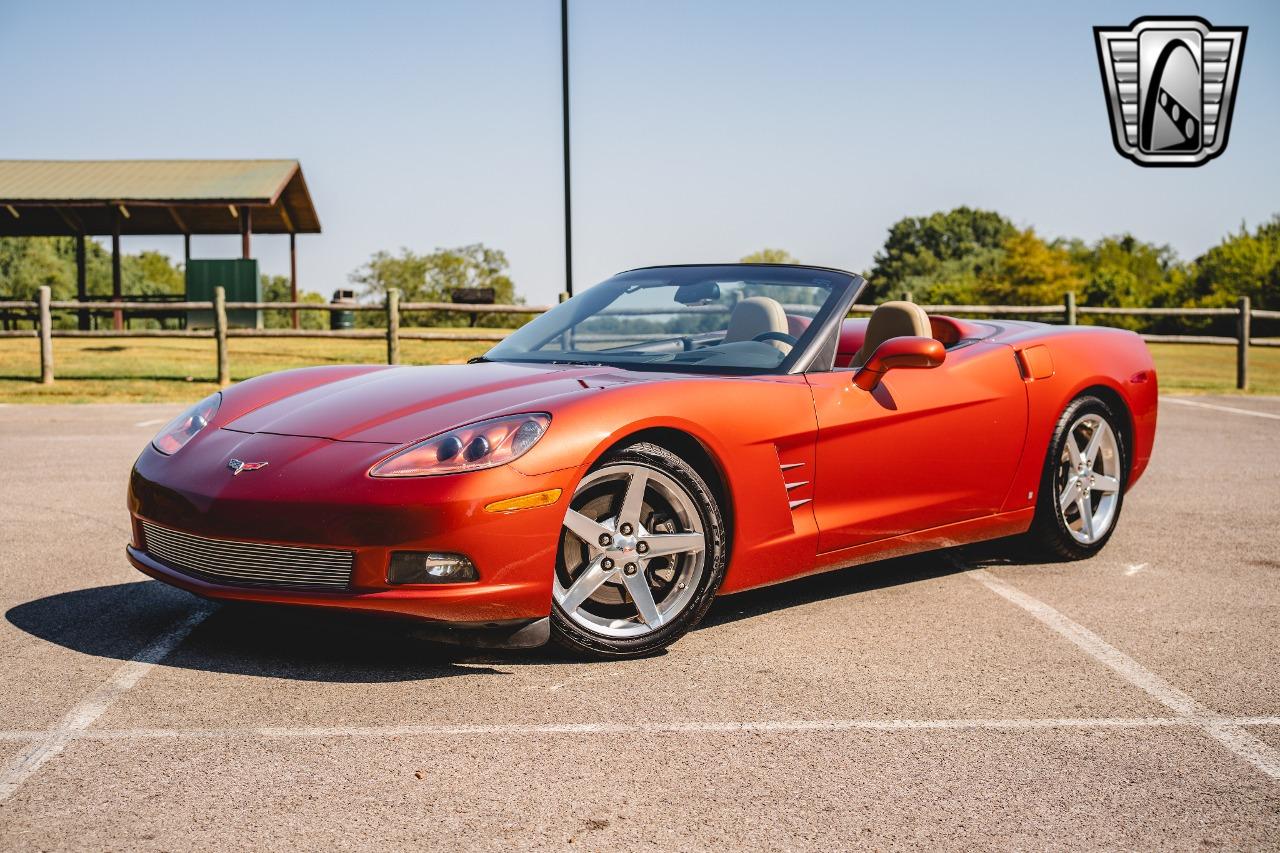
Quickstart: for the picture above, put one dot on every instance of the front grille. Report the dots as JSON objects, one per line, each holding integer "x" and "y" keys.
{"x": 249, "y": 563}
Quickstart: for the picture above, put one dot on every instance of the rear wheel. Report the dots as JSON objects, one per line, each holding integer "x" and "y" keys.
{"x": 641, "y": 555}
{"x": 1082, "y": 486}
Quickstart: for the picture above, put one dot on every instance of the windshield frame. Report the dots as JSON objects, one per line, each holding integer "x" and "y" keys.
{"x": 846, "y": 287}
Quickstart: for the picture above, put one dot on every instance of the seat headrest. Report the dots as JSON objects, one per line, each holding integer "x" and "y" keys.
{"x": 754, "y": 316}
{"x": 892, "y": 320}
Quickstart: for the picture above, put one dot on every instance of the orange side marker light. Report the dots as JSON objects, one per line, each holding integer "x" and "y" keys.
{"x": 543, "y": 498}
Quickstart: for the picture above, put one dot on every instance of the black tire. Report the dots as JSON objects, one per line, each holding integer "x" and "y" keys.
{"x": 585, "y": 643}
{"x": 1049, "y": 538}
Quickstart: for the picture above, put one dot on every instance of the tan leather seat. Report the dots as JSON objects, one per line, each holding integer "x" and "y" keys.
{"x": 755, "y": 316}
{"x": 892, "y": 320}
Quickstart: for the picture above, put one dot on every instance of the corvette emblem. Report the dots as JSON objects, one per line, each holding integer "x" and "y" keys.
{"x": 1171, "y": 86}
{"x": 237, "y": 466}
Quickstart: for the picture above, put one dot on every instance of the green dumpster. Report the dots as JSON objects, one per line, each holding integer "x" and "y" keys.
{"x": 238, "y": 277}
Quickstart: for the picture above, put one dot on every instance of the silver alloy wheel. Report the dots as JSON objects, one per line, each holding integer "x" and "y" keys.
{"x": 642, "y": 551}
{"x": 1089, "y": 479}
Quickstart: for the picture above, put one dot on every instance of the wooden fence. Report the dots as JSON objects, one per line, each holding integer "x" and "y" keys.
{"x": 44, "y": 307}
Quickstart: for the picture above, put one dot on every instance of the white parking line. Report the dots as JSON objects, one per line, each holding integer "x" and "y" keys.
{"x": 48, "y": 744}
{"x": 155, "y": 422}
{"x": 1180, "y": 401}
{"x": 1229, "y": 734}
{"x": 725, "y": 727}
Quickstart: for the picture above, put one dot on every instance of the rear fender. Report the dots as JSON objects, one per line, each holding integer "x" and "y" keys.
{"x": 1086, "y": 358}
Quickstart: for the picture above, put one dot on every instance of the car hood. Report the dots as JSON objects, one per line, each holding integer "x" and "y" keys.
{"x": 404, "y": 404}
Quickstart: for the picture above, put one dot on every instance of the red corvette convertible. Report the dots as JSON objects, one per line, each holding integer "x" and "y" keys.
{"x": 671, "y": 434}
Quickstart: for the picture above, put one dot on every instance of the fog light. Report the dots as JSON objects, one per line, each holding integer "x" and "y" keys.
{"x": 430, "y": 567}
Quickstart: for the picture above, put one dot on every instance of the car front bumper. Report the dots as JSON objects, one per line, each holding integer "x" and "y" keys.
{"x": 317, "y": 494}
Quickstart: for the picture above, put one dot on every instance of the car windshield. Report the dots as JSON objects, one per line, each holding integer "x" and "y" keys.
{"x": 734, "y": 318}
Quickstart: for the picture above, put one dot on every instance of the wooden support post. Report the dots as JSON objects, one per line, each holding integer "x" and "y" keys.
{"x": 186, "y": 267}
{"x": 1070, "y": 301}
{"x": 246, "y": 229}
{"x": 46, "y": 337}
{"x": 1243, "y": 334}
{"x": 293, "y": 274}
{"x": 82, "y": 283}
{"x": 117, "y": 316}
{"x": 393, "y": 326}
{"x": 220, "y": 331}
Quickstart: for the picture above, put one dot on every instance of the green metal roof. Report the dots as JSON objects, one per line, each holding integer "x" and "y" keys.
{"x": 246, "y": 181}
{"x": 161, "y": 196}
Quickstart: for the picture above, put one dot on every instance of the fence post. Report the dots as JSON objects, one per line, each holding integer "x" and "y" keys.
{"x": 906, "y": 296}
{"x": 393, "y": 325}
{"x": 220, "y": 332}
{"x": 1070, "y": 301}
{"x": 46, "y": 337}
{"x": 1242, "y": 344}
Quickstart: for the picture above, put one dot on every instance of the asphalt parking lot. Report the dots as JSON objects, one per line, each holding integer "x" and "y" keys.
{"x": 1131, "y": 701}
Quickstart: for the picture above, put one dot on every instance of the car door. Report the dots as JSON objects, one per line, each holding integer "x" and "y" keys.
{"x": 926, "y": 448}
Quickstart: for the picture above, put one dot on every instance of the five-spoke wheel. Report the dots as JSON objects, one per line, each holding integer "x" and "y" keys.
{"x": 641, "y": 554}
{"x": 1089, "y": 478}
{"x": 1082, "y": 488}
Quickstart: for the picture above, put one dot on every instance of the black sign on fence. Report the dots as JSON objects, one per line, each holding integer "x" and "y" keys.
{"x": 473, "y": 296}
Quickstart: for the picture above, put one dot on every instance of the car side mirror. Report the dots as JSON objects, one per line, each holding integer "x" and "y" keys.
{"x": 898, "y": 353}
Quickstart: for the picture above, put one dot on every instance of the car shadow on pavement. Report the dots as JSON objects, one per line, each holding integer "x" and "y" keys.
{"x": 277, "y": 641}
{"x": 835, "y": 584}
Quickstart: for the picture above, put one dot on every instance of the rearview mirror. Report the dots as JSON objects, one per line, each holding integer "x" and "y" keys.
{"x": 898, "y": 353}
{"x": 698, "y": 293}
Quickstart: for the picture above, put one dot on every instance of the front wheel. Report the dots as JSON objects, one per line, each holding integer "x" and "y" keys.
{"x": 641, "y": 555}
{"x": 1082, "y": 486}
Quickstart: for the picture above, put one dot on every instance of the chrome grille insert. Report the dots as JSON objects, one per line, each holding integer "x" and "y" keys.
{"x": 249, "y": 563}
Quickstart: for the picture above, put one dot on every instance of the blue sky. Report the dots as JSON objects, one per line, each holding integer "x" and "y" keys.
{"x": 702, "y": 130}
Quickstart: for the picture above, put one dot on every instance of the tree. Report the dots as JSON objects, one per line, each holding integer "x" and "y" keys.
{"x": 26, "y": 263}
{"x": 151, "y": 273}
{"x": 29, "y": 263}
{"x": 1242, "y": 264}
{"x": 1122, "y": 270}
{"x": 943, "y": 251}
{"x": 433, "y": 278}
{"x": 770, "y": 256}
{"x": 277, "y": 288}
{"x": 1029, "y": 272}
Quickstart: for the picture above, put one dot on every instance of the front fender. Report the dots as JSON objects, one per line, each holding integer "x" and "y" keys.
{"x": 748, "y": 426}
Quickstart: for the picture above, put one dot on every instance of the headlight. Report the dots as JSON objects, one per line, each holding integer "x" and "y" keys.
{"x": 469, "y": 448}
{"x": 184, "y": 427}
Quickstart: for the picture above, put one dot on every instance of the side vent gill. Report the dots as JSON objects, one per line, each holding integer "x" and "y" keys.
{"x": 792, "y": 485}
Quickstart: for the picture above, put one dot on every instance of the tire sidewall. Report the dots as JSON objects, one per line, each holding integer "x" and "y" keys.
{"x": 583, "y": 641}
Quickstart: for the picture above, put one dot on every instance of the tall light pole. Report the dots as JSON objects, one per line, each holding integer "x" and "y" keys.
{"x": 564, "y": 99}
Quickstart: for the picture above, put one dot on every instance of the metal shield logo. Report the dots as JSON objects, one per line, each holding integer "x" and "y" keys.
{"x": 1171, "y": 86}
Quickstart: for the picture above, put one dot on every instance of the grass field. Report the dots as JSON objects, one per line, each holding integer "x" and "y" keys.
{"x": 162, "y": 369}
{"x": 137, "y": 370}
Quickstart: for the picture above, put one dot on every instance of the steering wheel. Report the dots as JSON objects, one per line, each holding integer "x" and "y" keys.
{"x": 789, "y": 340}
